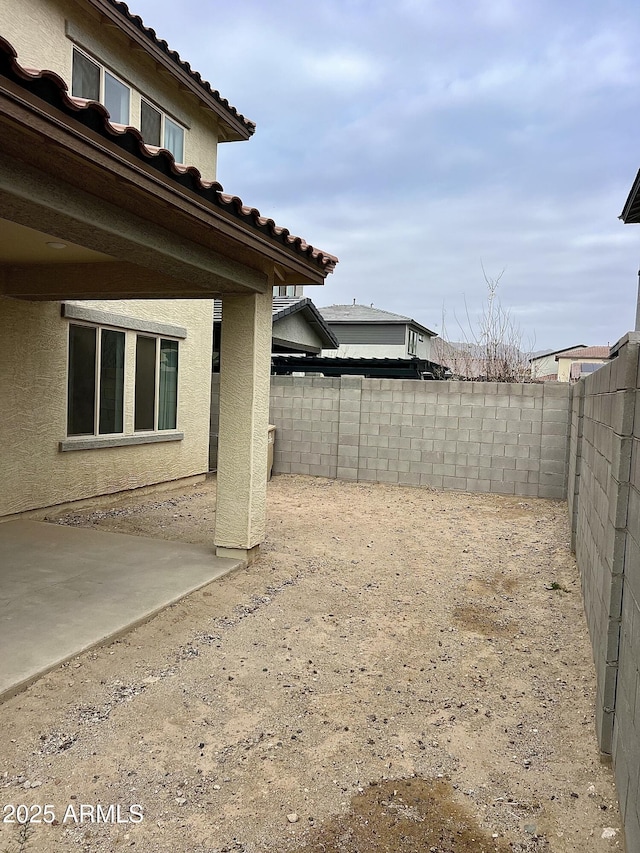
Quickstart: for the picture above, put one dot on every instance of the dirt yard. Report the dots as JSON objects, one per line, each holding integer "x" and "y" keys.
{"x": 402, "y": 670}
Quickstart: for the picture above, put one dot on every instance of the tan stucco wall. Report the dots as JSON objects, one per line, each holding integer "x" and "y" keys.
{"x": 33, "y": 382}
{"x": 564, "y": 366}
{"x": 43, "y": 32}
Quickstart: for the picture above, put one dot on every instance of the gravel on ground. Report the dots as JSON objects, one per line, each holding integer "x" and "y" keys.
{"x": 402, "y": 670}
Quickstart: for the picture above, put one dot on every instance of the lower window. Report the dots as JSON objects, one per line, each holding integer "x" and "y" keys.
{"x": 156, "y": 397}
{"x": 95, "y": 381}
{"x": 97, "y": 375}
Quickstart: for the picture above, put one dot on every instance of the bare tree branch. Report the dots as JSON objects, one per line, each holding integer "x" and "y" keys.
{"x": 491, "y": 349}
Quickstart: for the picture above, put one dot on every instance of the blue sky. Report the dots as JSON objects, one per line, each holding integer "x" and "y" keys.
{"x": 420, "y": 140}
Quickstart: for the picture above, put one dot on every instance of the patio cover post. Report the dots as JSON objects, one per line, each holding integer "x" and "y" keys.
{"x": 245, "y": 368}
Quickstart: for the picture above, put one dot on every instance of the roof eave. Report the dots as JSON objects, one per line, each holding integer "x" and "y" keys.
{"x": 315, "y": 319}
{"x": 389, "y": 322}
{"x": 37, "y": 105}
{"x": 236, "y": 127}
{"x": 631, "y": 210}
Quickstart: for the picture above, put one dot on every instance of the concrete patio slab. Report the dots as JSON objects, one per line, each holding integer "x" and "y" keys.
{"x": 66, "y": 589}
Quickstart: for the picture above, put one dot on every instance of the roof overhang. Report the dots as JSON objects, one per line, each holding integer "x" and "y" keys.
{"x": 234, "y": 125}
{"x": 312, "y": 316}
{"x": 631, "y": 210}
{"x": 68, "y": 175}
{"x": 384, "y": 322}
{"x": 284, "y": 307}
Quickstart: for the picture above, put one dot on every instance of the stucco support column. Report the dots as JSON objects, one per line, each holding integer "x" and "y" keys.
{"x": 245, "y": 368}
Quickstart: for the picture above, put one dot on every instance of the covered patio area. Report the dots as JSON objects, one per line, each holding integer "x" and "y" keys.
{"x": 91, "y": 216}
{"x": 65, "y": 589}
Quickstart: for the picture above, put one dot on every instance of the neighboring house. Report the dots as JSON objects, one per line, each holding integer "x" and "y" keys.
{"x": 544, "y": 365}
{"x": 111, "y": 254}
{"x": 576, "y": 363}
{"x": 298, "y": 327}
{"x": 631, "y": 214}
{"x": 367, "y": 332}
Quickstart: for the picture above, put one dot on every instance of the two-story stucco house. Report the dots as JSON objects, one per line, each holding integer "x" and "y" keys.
{"x": 111, "y": 254}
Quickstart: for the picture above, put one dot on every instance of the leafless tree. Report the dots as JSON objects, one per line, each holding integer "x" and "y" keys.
{"x": 489, "y": 350}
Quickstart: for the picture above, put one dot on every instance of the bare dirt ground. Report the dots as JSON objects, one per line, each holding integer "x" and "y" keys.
{"x": 402, "y": 670}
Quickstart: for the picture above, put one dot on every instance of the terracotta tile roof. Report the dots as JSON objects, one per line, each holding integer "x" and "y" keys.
{"x": 585, "y": 352}
{"x": 150, "y": 34}
{"x": 94, "y": 116}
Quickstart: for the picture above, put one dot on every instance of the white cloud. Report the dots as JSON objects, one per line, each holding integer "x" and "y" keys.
{"x": 416, "y": 139}
{"x": 341, "y": 70}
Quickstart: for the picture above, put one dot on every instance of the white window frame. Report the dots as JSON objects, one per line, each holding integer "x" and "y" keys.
{"x": 156, "y": 391}
{"x": 97, "y": 370}
{"x": 163, "y": 116}
{"x": 412, "y": 342}
{"x": 81, "y": 315}
{"x": 103, "y": 71}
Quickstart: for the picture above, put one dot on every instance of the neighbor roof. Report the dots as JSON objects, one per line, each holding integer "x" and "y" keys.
{"x": 367, "y": 314}
{"x": 585, "y": 352}
{"x": 51, "y": 89}
{"x": 631, "y": 209}
{"x": 236, "y": 126}
{"x": 547, "y": 353}
{"x": 283, "y": 306}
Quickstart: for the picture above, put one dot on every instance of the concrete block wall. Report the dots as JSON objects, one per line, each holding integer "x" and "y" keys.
{"x": 626, "y": 729}
{"x": 306, "y": 413}
{"x": 481, "y": 437}
{"x": 604, "y": 508}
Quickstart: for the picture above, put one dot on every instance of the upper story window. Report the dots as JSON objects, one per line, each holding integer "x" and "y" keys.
{"x": 288, "y": 290}
{"x": 158, "y": 129}
{"x": 93, "y": 82}
{"x": 413, "y": 342}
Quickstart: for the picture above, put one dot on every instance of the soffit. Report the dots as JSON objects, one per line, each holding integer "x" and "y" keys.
{"x": 21, "y": 245}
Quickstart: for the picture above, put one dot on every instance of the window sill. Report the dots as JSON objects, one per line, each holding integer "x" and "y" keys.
{"x": 98, "y": 442}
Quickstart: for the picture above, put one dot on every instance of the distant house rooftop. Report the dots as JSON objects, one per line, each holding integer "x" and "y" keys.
{"x": 584, "y": 352}
{"x": 547, "y": 352}
{"x": 368, "y": 314}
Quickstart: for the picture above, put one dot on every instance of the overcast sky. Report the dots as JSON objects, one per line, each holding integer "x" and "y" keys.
{"x": 419, "y": 140}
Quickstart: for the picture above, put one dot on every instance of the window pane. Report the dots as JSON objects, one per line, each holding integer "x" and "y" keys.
{"x": 81, "y": 388}
{"x": 145, "y": 383}
{"x": 85, "y": 80}
{"x": 174, "y": 139}
{"x": 150, "y": 123}
{"x": 111, "y": 381}
{"x": 168, "y": 392}
{"x": 116, "y": 99}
